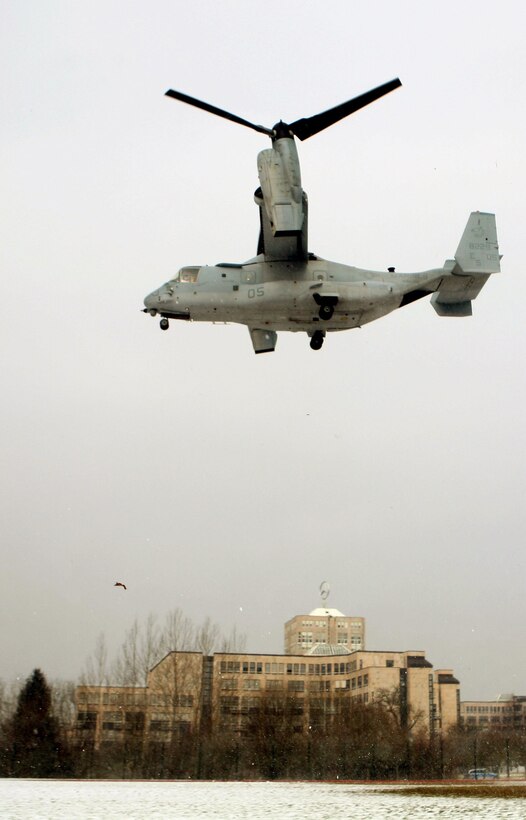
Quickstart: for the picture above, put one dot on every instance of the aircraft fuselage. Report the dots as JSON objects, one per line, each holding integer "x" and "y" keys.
{"x": 289, "y": 295}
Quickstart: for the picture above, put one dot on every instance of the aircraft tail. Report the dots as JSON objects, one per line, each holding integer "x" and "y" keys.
{"x": 477, "y": 257}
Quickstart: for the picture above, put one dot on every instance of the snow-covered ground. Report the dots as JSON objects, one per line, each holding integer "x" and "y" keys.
{"x": 83, "y": 800}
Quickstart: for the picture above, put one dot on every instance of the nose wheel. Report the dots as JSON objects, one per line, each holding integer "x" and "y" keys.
{"x": 164, "y": 324}
{"x": 317, "y": 339}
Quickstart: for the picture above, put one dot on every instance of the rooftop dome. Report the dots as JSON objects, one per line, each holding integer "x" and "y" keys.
{"x": 334, "y": 613}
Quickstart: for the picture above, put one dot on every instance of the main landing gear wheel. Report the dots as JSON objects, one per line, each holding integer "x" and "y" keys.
{"x": 164, "y": 324}
{"x": 326, "y": 303}
{"x": 326, "y": 311}
{"x": 317, "y": 339}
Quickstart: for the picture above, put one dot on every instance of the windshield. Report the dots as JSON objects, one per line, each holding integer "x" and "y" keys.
{"x": 187, "y": 275}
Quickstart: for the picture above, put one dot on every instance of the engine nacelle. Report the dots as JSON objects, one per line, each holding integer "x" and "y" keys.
{"x": 280, "y": 179}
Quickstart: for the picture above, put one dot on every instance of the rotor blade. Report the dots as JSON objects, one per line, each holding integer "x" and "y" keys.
{"x": 309, "y": 126}
{"x": 177, "y": 95}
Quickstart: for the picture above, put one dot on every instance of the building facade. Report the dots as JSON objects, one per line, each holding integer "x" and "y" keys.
{"x": 506, "y": 712}
{"x": 316, "y": 688}
{"x": 172, "y": 702}
{"x": 226, "y": 692}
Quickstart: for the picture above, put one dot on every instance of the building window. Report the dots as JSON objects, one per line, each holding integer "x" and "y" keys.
{"x": 389, "y": 662}
{"x": 249, "y": 704}
{"x": 274, "y": 668}
{"x": 356, "y": 642}
{"x": 305, "y": 638}
{"x": 229, "y": 666}
{"x": 229, "y": 705}
{"x": 184, "y": 700}
{"x": 112, "y": 721}
{"x": 159, "y": 700}
{"x": 87, "y": 720}
{"x": 251, "y": 683}
{"x": 159, "y": 723}
{"x": 295, "y": 705}
{"x": 296, "y": 685}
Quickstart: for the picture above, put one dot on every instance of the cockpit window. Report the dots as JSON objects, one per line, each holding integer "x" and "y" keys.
{"x": 187, "y": 275}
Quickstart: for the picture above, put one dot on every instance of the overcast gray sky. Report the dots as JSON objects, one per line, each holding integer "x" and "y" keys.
{"x": 391, "y": 462}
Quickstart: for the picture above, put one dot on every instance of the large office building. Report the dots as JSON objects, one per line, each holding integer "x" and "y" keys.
{"x": 506, "y": 712}
{"x": 313, "y": 684}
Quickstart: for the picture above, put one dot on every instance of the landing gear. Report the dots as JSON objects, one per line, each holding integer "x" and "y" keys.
{"x": 316, "y": 340}
{"x": 326, "y": 302}
{"x": 326, "y": 311}
{"x": 164, "y": 324}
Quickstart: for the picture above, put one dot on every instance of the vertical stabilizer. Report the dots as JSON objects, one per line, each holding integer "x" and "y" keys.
{"x": 478, "y": 251}
{"x": 476, "y": 258}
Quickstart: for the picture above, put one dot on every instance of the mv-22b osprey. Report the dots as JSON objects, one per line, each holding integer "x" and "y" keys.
{"x": 285, "y": 287}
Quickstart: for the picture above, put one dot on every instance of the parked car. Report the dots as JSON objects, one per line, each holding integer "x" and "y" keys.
{"x": 481, "y": 774}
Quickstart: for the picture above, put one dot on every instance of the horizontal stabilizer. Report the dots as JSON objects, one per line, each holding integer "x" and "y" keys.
{"x": 453, "y": 309}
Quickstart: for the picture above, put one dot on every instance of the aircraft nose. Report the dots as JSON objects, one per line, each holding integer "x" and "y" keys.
{"x": 152, "y": 300}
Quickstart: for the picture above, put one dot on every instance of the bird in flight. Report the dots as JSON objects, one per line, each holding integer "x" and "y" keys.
{"x": 118, "y": 584}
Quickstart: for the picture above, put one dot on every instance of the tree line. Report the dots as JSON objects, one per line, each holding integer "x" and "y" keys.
{"x": 40, "y": 737}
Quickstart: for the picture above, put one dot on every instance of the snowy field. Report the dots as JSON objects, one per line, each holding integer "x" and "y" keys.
{"x": 49, "y": 800}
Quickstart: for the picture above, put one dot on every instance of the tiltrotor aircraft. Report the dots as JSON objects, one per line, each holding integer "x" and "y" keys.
{"x": 285, "y": 287}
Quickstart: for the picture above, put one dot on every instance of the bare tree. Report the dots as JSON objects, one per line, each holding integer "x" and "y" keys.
{"x": 9, "y": 693}
{"x": 207, "y": 636}
{"x": 234, "y": 642}
{"x": 63, "y": 702}
{"x": 178, "y": 633}
{"x": 140, "y": 650}
{"x": 125, "y": 670}
{"x": 96, "y": 671}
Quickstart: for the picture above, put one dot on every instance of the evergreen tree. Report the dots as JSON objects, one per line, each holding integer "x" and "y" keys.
{"x": 36, "y": 749}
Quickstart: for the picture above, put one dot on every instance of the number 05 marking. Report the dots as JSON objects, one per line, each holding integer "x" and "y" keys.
{"x": 254, "y": 292}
